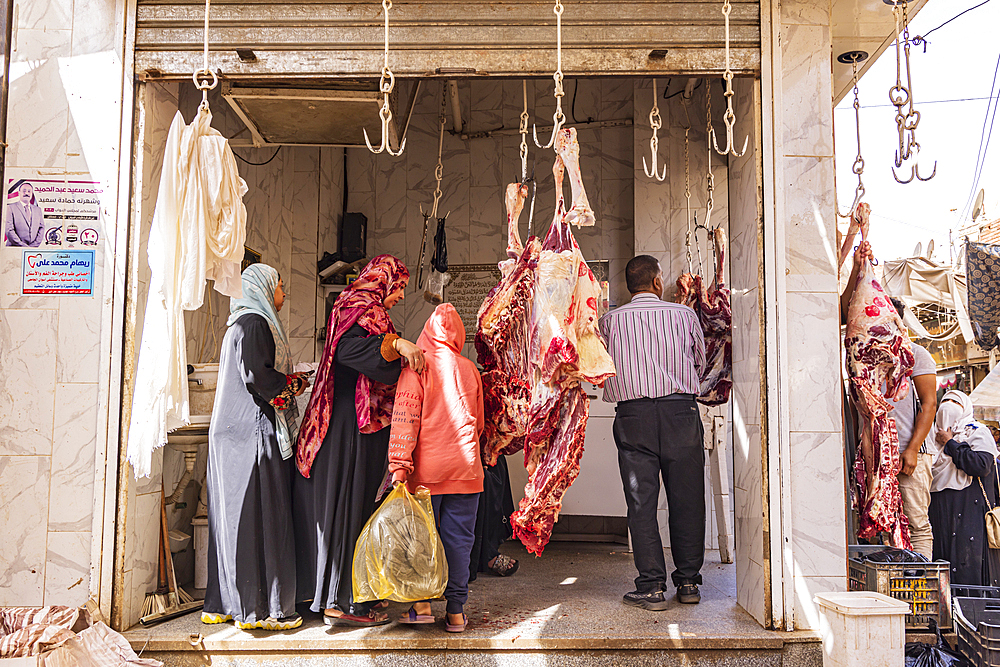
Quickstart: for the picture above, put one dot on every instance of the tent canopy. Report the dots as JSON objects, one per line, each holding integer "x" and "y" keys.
{"x": 986, "y": 397}
{"x": 920, "y": 280}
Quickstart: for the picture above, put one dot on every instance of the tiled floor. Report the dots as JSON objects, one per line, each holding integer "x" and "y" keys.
{"x": 570, "y": 598}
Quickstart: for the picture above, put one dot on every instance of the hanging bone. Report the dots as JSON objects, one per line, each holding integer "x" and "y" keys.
{"x": 568, "y": 149}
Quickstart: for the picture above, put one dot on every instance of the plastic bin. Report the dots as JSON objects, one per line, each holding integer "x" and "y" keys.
{"x": 862, "y": 629}
{"x": 977, "y": 624}
{"x": 925, "y": 586}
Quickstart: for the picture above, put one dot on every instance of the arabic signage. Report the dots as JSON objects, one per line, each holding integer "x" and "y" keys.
{"x": 66, "y": 272}
{"x": 50, "y": 210}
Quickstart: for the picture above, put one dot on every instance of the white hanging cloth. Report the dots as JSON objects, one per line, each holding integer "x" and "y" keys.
{"x": 198, "y": 232}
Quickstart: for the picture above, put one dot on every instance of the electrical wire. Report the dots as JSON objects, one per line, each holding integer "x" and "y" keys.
{"x": 922, "y": 39}
{"x": 258, "y": 164}
{"x": 981, "y": 152}
{"x": 883, "y": 106}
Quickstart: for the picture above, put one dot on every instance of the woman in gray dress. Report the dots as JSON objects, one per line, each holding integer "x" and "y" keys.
{"x": 251, "y": 548}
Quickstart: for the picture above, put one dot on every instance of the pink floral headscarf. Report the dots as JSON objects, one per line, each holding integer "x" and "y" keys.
{"x": 361, "y": 303}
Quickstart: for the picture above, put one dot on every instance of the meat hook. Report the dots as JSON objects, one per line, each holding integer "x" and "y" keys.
{"x": 386, "y": 84}
{"x": 558, "y": 118}
{"x": 655, "y": 124}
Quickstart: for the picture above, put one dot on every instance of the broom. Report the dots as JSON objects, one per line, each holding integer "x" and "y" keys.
{"x": 157, "y": 601}
{"x": 179, "y": 602}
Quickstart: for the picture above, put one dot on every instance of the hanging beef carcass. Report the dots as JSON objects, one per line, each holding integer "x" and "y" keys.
{"x": 716, "y": 316}
{"x": 537, "y": 340}
{"x": 878, "y": 353}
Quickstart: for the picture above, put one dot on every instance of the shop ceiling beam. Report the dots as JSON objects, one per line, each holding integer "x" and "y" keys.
{"x": 341, "y": 39}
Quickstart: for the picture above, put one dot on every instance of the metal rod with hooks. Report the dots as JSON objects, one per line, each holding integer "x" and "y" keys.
{"x": 558, "y": 118}
{"x": 855, "y": 57}
{"x": 655, "y": 123}
{"x": 386, "y": 84}
{"x": 730, "y": 116}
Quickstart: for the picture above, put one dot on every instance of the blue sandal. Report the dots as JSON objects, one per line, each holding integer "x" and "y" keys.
{"x": 413, "y": 618}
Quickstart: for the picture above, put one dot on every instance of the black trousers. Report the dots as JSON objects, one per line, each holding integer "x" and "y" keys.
{"x": 663, "y": 437}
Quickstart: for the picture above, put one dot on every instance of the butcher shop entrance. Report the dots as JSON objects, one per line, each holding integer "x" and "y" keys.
{"x": 314, "y": 188}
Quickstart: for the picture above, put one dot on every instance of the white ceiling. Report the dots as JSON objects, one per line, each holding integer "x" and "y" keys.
{"x": 861, "y": 25}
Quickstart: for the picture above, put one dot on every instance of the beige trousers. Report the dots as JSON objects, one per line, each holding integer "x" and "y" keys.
{"x": 916, "y": 492}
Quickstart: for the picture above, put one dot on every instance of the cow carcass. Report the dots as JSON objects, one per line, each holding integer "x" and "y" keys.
{"x": 715, "y": 314}
{"x": 537, "y": 340}
{"x": 878, "y": 353}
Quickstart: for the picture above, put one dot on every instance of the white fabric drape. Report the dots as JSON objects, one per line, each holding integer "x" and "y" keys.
{"x": 920, "y": 280}
{"x": 198, "y": 232}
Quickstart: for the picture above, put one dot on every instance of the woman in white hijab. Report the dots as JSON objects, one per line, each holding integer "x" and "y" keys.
{"x": 958, "y": 501}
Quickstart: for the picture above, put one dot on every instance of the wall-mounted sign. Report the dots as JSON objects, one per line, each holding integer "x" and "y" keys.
{"x": 63, "y": 272}
{"x": 51, "y": 211}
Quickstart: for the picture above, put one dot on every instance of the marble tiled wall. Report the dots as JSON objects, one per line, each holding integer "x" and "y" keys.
{"x": 805, "y": 168}
{"x": 64, "y": 114}
{"x": 744, "y": 227}
{"x": 390, "y": 191}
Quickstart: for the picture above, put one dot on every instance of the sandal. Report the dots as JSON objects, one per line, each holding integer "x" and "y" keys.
{"x": 271, "y": 623}
{"x": 503, "y": 566}
{"x": 413, "y": 618}
{"x": 381, "y": 604}
{"x": 372, "y": 619}
{"x": 459, "y": 627}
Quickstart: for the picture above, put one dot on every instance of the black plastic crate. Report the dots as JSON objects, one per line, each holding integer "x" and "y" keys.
{"x": 925, "y": 586}
{"x": 977, "y": 624}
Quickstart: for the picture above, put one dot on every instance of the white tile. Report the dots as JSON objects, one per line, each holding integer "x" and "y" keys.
{"x": 750, "y": 587}
{"x": 67, "y": 569}
{"x": 805, "y": 12}
{"x": 45, "y": 16}
{"x": 811, "y": 225}
{"x": 24, "y": 509}
{"x": 27, "y": 376}
{"x": 806, "y": 613}
{"x": 142, "y": 546}
{"x": 73, "y": 441}
{"x": 302, "y": 349}
{"x": 79, "y": 339}
{"x": 819, "y": 539}
{"x": 301, "y": 304}
{"x": 305, "y": 212}
{"x": 807, "y": 114}
{"x": 38, "y": 109}
{"x": 815, "y": 391}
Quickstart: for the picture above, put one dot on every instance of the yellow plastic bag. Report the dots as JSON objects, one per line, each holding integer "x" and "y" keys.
{"x": 399, "y": 555}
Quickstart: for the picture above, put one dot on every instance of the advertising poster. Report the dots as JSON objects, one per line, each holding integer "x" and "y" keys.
{"x": 62, "y": 272}
{"x": 51, "y": 211}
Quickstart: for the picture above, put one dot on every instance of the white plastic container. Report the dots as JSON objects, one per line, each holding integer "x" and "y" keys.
{"x": 862, "y": 629}
{"x": 199, "y": 527}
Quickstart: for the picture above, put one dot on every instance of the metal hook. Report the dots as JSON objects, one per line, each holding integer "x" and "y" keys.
{"x": 655, "y": 124}
{"x": 558, "y": 120}
{"x": 386, "y": 115}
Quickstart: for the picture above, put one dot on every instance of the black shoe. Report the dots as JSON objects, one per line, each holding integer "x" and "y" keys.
{"x": 688, "y": 594}
{"x": 653, "y": 601}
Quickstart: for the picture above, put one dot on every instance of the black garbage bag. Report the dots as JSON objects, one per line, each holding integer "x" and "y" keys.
{"x": 919, "y": 654}
{"x": 895, "y": 555}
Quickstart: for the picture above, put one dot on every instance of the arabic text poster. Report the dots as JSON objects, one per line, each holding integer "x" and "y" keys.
{"x": 63, "y": 272}
{"x": 51, "y": 211}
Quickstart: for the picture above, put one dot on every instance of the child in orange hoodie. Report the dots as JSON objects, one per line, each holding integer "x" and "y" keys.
{"x": 434, "y": 442}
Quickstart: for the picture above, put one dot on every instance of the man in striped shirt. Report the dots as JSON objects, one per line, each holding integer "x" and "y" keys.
{"x": 659, "y": 351}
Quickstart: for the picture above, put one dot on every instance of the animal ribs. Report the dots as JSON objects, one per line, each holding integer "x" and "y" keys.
{"x": 878, "y": 352}
{"x": 715, "y": 314}
{"x": 537, "y": 339}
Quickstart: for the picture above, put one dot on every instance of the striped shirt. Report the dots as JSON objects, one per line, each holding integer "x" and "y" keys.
{"x": 658, "y": 348}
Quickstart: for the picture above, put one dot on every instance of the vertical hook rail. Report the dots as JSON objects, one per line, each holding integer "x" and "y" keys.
{"x": 655, "y": 123}
{"x": 205, "y": 79}
{"x": 386, "y": 83}
{"x": 558, "y": 118}
{"x": 855, "y": 57}
{"x": 730, "y": 116}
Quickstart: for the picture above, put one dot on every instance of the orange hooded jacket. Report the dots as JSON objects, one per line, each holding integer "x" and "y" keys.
{"x": 438, "y": 416}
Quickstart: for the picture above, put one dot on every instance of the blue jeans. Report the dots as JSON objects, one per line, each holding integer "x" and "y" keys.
{"x": 456, "y": 522}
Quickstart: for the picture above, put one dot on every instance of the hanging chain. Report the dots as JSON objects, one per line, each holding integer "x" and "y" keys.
{"x": 204, "y": 78}
{"x": 439, "y": 169}
{"x": 558, "y": 118}
{"x": 730, "y": 117}
{"x": 523, "y": 130}
{"x": 859, "y": 162}
{"x": 386, "y": 83}
{"x": 655, "y": 124}
{"x": 902, "y": 95}
{"x": 687, "y": 195}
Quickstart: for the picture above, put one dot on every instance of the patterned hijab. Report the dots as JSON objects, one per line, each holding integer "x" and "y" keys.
{"x": 361, "y": 303}
{"x": 259, "y": 283}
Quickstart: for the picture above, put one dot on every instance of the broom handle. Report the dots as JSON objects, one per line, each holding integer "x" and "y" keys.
{"x": 165, "y": 536}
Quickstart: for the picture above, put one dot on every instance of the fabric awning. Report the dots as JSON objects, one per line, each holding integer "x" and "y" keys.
{"x": 920, "y": 280}
{"x": 986, "y": 397}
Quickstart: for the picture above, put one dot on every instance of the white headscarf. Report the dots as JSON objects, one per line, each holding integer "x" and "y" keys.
{"x": 259, "y": 283}
{"x": 955, "y": 414}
